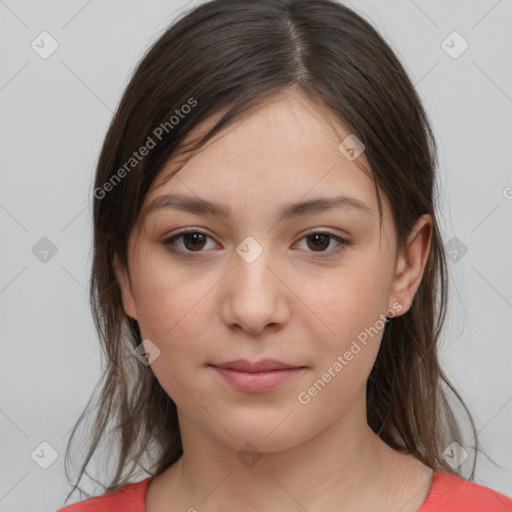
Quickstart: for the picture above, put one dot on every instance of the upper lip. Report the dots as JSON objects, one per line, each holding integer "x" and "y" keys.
{"x": 244, "y": 365}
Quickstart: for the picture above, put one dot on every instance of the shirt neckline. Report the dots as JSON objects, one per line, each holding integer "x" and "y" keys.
{"x": 432, "y": 492}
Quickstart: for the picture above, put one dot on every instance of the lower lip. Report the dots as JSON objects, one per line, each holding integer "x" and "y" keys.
{"x": 257, "y": 381}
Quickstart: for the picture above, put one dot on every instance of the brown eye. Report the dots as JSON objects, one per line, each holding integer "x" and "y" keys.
{"x": 188, "y": 241}
{"x": 194, "y": 241}
{"x": 319, "y": 241}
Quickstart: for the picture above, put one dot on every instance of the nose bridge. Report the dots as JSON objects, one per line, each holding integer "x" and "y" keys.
{"x": 254, "y": 294}
{"x": 251, "y": 265}
{"x": 250, "y": 250}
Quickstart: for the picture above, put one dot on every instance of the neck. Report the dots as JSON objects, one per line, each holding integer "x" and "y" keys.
{"x": 346, "y": 461}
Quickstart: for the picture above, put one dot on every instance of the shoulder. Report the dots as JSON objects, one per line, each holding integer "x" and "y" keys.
{"x": 451, "y": 493}
{"x": 130, "y": 498}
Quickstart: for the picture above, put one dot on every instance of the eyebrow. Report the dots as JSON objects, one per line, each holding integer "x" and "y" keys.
{"x": 204, "y": 207}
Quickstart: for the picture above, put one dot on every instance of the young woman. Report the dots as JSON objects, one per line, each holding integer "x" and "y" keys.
{"x": 269, "y": 282}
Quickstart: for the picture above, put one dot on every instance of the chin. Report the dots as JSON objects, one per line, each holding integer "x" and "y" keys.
{"x": 259, "y": 442}
{"x": 268, "y": 434}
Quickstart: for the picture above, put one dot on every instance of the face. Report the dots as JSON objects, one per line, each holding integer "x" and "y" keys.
{"x": 310, "y": 289}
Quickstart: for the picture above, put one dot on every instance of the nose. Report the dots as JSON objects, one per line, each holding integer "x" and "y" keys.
{"x": 256, "y": 296}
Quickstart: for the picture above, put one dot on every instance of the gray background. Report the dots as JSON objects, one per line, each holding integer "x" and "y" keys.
{"x": 55, "y": 113}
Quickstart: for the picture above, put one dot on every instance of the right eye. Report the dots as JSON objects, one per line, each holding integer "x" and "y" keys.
{"x": 191, "y": 241}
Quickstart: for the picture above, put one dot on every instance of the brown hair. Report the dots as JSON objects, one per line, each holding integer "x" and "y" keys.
{"x": 230, "y": 56}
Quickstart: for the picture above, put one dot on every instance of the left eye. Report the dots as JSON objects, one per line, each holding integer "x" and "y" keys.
{"x": 321, "y": 240}
{"x": 195, "y": 241}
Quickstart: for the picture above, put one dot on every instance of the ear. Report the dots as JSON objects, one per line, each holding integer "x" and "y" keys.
{"x": 126, "y": 289}
{"x": 411, "y": 262}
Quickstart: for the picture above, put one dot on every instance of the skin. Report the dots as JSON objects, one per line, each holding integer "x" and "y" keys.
{"x": 211, "y": 306}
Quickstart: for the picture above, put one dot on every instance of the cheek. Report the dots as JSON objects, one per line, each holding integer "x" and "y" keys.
{"x": 173, "y": 316}
{"x": 354, "y": 307}
{"x": 171, "y": 305}
{"x": 352, "y": 304}
{"x": 348, "y": 352}
{"x": 345, "y": 356}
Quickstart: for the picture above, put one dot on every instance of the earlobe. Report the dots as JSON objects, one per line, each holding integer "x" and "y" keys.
{"x": 125, "y": 287}
{"x": 411, "y": 263}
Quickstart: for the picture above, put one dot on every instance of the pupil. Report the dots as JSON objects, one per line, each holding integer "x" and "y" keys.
{"x": 196, "y": 239}
{"x": 320, "y": 236}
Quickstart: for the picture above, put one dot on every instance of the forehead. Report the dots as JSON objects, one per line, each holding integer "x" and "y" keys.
{"x": 286, "y": 150}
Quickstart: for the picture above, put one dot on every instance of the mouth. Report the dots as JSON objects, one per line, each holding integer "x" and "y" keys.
{"x": 256, "y": 376}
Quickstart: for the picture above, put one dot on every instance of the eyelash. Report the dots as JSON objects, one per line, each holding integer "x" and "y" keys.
{"x": 343, "y": 243}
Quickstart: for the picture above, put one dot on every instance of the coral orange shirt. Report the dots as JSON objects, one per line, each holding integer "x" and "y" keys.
{"x": 448, "y": 493}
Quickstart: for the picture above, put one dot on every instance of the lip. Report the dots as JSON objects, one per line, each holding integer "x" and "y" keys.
{"x": 256, "y": 376}
{"x": 264, "y": 365}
